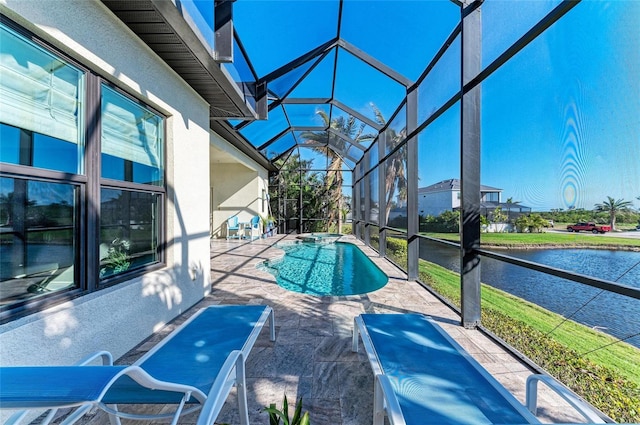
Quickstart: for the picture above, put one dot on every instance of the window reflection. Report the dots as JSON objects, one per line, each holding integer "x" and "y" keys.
{"x": 24, "y": 147}
{"x": 37, "y": 238}
{"x": 129, "y": 230}
{"x": 40, "y": 107}
{"x": 396, "y": 189}
{"x": 241, "y": 73}
{"x": 132, "y": 140}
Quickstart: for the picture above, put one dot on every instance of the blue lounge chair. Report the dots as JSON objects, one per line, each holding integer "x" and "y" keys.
{"x": 233, "y": 228}
{"x": 194, "y": 367}
{"x": 253, "y": 228}
{"x": 422, "y": 376}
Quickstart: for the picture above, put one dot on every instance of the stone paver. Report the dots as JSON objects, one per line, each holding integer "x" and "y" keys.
{"x": 311, "y": 357}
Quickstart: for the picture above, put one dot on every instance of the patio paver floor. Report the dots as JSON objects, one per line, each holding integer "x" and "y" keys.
{"x": 311, "y": 357}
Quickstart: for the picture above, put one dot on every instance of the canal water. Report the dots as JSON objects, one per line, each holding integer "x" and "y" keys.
{"x": 614, "y": 314}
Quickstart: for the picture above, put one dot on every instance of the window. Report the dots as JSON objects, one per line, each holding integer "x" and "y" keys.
{"x": 128, "y": 230}
{"x": 131, "y": 140}
{"x": 491, "y": 197}
{"x": 40, "y": 107}
{"x": 38, "y": 238}
{"x": 50, "y": 232}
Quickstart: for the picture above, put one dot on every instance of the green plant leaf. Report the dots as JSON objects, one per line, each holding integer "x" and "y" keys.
{"x": 305, "y": 419}
{"x": 296, "y": 416}
{"x": 276, "y": 414}
{"x": 285, "y": 410}
{"x": 273, "y": 414}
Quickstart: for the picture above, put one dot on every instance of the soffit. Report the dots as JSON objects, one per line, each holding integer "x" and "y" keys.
{"x": 161, "y": 25}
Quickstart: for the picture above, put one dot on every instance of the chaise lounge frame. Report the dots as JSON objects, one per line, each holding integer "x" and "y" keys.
{"x": 393, "y": 376}
{"x": 151, "y": 379}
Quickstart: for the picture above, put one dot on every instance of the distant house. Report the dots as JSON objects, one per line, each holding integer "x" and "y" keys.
{"x": 445, "y": 196}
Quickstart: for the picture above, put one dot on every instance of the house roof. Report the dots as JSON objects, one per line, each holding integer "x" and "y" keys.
{"x": 172, "y": 32}
{"x": 512, "y": 207}
{"x": 451, "y": 185}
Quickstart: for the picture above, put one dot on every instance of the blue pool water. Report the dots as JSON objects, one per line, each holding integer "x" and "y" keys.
{"x": 325, "y": 269}
{"x": 320, "y": 237}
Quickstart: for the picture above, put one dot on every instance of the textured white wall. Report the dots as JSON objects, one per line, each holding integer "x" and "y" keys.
{"x": 435, "y": 203}
{"x": 118, "y": 318}
{"x": 236, "y": 188}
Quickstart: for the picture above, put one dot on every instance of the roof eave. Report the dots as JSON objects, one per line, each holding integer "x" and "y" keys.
{"x": 163, "y": 27}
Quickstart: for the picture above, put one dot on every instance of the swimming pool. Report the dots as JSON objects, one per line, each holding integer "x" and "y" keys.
{"x": 325, "y": 269}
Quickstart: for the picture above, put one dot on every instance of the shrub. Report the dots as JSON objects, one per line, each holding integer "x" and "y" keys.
{"x": 614, "y": 395}
{"x": 397, "y": 251}
{"x": 447, "y": 222}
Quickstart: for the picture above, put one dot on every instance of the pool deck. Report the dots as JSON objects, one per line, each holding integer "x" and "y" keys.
{"x": 312, "y": 357}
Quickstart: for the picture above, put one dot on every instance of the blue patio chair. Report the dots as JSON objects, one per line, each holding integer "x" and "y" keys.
{"x": 194, "y": 367}
{"x": 253, "y": 229}
{"x": 422, "y": 376}
{"x": 233, "y": 228}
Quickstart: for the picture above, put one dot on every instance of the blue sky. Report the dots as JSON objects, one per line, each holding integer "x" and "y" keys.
{"x": 560, "y": 122}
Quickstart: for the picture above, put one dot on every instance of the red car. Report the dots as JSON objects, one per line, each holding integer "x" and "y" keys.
{"x": 588, "y": 227}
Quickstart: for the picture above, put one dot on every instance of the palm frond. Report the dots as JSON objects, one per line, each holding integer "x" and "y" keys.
{"x": 376, "y": 112}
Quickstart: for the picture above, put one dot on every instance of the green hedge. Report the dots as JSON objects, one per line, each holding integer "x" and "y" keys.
{"x": 397, "y": 251}
{"x": 601, "y": 386}
{"x": 608, "y": 380}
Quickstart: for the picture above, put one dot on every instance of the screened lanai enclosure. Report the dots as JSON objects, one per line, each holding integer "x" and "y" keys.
{"x": 456, "y": 138}
{"x": 424, "y": 123}
{"x": 426, "y": 127}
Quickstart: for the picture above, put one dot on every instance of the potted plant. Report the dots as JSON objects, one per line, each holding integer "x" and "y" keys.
{"x": 117, "y": 259}
{"x": 268, "y": 225}
{"x": 275, "y": 415}
{"x": 264, "y": 222}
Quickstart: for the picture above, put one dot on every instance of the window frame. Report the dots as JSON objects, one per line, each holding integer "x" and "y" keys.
{"x": 106, "y": 183}
{"x": 86, "y": 258}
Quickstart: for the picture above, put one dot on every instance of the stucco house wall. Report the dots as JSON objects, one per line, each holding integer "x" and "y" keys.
{"x": 435, "y": 203}
{"x": 119, "y": 317}
{"x": 238, "y": 187}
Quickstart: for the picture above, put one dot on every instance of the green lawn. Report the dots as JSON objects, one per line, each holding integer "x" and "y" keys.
{"x": 548, "y": 239}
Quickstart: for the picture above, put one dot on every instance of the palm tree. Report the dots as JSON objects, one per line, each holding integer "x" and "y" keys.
{"x": 336, "y": 146}
{"x": 613, "y": 206}
{"x": 395, "y": 175}
{"x": 395, "y": 178}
